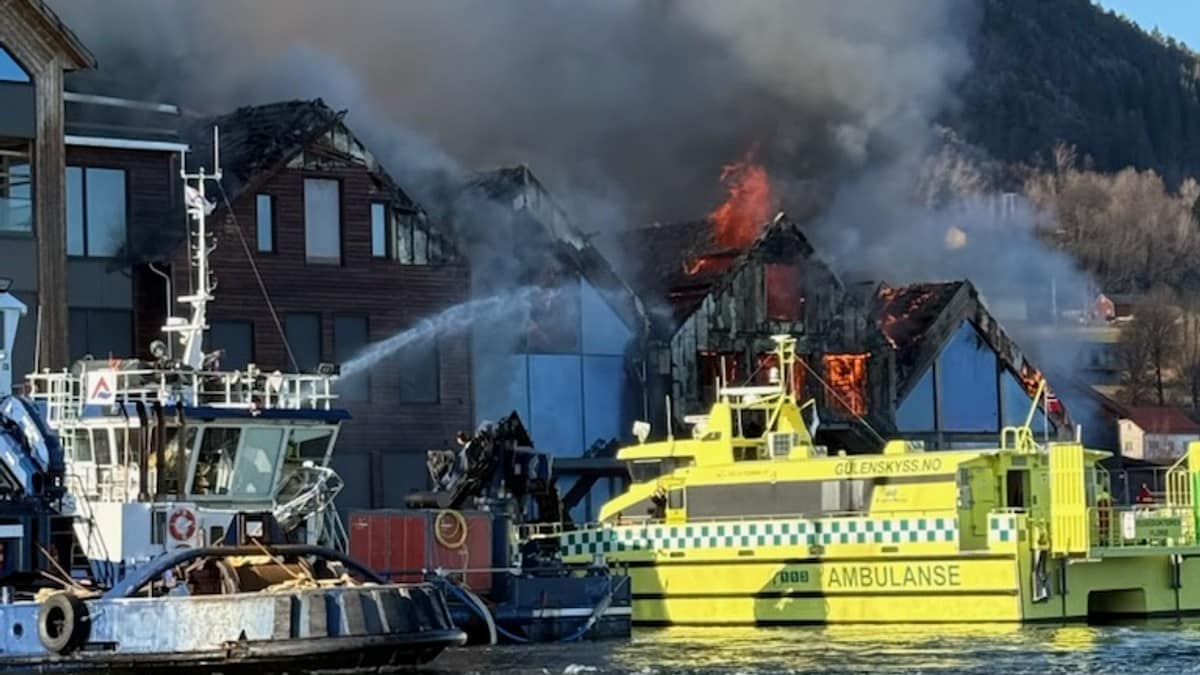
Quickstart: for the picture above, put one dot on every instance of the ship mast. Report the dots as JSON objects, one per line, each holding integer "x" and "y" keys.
{"x": 191, "y": 332}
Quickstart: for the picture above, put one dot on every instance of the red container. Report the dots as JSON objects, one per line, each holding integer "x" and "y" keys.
{"x": 404, "y": 544}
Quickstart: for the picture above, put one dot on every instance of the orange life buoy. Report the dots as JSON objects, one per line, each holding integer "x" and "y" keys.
{"x": 188, "y": 528}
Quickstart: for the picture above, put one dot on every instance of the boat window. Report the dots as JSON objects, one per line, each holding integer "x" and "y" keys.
{"x": 254, "y": 471}
{"x": 172, "y": 460}
{"x": 214, "y": 464}
{"x": 645, "y": 470}
{"x": 101, "y": 447}
{"x": 119, "y": 455}
{"x": 309, "y": 444}
{"x": 83, "y": 446}
{"x": 675, "y": 498}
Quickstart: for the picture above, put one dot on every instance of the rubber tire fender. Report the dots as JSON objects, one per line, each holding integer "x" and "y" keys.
{"x": 72, "y": 613}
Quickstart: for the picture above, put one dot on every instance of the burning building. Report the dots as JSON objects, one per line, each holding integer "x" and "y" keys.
{"x": 927, "y": 361}
{"x": 321, "y": 253}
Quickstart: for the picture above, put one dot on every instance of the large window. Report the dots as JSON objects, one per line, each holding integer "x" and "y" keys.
{"x": 96, "y": 213}
{"x": 236, "y": 338}
{"x": 783, "y": 287}
{"x": 419, "y": 373}
{"x": 379, "y": 230}
{"x": 16, "y": 194}
{"x": 10, "y": 70}
{"x": 215, "y": 461}
{"x": 322, "y": 221}
{"x": 264, "y": 209}
{"x": 101, "y": 333}
{"x": 968, "y": 377}
{"x": 304, "y": 337}
{"x": 256, "y": 461}
{"x": 349, "y": 338}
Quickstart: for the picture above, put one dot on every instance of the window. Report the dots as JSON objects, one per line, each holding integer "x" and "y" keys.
{"x": 254, "y": 468}
{"x": 379, "y": 230}
{"x": 236, "y": 338}
{"x": 96, "y": 225}
{"x": 100, "y": 332}
{"x": 322, "y": 221}
{"x": 783, "y": 286}
{"x": 10, "y": 70}
{"x": 349, "y": 337}
{"x": 304, "y": 337}
{"x": 264, "y": 206}
{"x": 16, "y": 195}
{"x": 916, "y": 411}
{"x": 968, "y": 380}
{"x": 419, "y": 373}
{"x": 215, "y": 461}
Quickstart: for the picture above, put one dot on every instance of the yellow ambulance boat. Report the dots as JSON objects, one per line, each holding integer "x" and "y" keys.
{"x": 750, "y": 522}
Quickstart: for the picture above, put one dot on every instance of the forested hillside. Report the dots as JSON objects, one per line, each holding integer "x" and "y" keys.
{"x": 1066, "y": 70}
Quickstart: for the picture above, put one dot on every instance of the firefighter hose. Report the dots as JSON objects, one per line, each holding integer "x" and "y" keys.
{"x": 459, "y": 520}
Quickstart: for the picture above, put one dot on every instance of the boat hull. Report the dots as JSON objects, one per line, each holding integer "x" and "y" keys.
{"x": 335, "y": 628}
{"x": 881, "y": 570}
{"x": 991, "y": 588}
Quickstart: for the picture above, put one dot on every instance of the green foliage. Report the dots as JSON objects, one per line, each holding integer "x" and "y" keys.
{"x": 1066, "y": 71}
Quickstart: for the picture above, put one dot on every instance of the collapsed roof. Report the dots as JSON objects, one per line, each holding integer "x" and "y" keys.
{"x": 681, "y": 263}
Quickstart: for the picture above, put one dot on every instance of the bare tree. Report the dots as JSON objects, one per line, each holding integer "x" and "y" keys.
{"x": 1148, "y": 346}
{"x": 1189, "y": 350}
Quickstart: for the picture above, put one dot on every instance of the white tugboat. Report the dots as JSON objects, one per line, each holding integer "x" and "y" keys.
{"x": 169, "y": 514}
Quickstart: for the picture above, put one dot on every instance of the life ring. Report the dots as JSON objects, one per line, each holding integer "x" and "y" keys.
{"x": 460, "y": 527}
{"x": 63, "y": 623}
{"x": 188, "y": 529}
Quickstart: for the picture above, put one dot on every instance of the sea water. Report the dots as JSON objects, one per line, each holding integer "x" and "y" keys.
{"x": 1145, "y": 648}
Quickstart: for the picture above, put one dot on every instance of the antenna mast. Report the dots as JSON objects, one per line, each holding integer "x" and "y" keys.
{"x": 191, "y": 332}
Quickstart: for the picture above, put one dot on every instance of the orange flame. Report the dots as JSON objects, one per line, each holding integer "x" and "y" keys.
{"x": 739, "y": 220}
{"x": 847, "y": 375}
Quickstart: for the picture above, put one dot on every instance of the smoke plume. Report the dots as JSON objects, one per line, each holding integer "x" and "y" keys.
{"x": 626, "y": 109}
{"x": 629, "y": 105}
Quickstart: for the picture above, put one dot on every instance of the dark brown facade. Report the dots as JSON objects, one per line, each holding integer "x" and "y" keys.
{"x": 42, "y": 47}
{"x": 122, "y": 288}
{"x": 380, "y": 454}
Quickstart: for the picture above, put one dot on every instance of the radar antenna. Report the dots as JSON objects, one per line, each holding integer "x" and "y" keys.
{"x": 201, "y": 244}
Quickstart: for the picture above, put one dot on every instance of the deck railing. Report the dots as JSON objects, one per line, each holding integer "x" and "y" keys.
{"x": 1141, "y": 526}
{"x": 65, "y": 394}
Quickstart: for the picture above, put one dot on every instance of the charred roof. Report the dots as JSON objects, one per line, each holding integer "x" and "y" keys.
{"x": 681, "y": 263}
{"x": 259, "y": 139}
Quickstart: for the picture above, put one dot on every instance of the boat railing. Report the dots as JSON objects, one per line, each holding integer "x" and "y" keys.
{"x": 692, "y": 520}
{"x": 1141, "y": 525}
{"x": 92, "y": 541}
{"x": 67, "y": 394}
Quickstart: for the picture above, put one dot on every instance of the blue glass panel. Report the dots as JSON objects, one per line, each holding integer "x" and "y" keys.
{"x": 10, "y": 70}
{"x": 501, "y": 384}
{"x": 968, "y": 380}
{"x": 556, "y": 404}
{"x": 603, "y": 331}
{"x": 603, "y": 390}
{"x": 916, "y": 411}
{"x": 1016, "y": 406}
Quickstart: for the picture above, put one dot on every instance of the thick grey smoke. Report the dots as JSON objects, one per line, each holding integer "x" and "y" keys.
{"x": 626, "y": 108}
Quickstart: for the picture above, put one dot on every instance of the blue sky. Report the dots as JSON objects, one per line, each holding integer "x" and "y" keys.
{"x": 1177, "y": 18}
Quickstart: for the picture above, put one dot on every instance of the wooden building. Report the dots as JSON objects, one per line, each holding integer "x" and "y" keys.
{"x": 320, "y": 253}
{"x": 926, "y": 361}
{"x": 36, "y": 50}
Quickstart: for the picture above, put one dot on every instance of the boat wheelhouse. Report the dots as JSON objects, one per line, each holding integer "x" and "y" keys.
{"x": 749, "y": 521}
{"x": 161, "y": 455}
